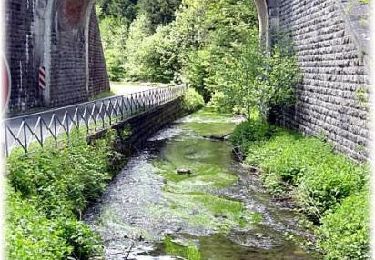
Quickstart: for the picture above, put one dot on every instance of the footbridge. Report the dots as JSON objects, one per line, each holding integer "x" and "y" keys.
{"x": 157, "y": 106}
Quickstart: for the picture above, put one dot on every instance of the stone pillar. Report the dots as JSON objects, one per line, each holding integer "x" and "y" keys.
{"x": 262, "y": 9}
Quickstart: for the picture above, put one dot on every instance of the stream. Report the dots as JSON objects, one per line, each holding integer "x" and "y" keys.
{"x": 219, "y": 210}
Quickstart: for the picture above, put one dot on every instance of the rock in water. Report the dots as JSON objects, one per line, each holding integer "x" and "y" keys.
{"x": 183, "y": 171}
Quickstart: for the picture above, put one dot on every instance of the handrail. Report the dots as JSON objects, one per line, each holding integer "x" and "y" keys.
{"x": 93, "y": 116}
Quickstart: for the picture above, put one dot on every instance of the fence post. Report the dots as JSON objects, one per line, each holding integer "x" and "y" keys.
{"x": 41, "y": 132}
{"x": 6, "y": 140}
{"x": 24, "y": 134}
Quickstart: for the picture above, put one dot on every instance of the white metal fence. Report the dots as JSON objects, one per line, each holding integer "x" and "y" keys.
{"x": 91, "y": 116}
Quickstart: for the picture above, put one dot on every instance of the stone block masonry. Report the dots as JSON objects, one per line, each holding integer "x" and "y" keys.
{"x": 332, "y": 99}
{"x": 62, "y": 36}
{"x": 141, "y": 127}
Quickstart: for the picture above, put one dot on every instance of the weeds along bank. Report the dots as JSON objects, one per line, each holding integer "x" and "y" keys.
{"x": 332, "y": 190}
{"x": 49, "y": 188}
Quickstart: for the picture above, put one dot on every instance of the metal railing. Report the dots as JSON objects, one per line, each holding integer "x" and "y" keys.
{"x": 91, "y": 117}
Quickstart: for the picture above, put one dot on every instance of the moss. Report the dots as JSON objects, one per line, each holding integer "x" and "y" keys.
{"x": 189, "y": 252}
{"x": 192, "y": 197}
{"x": 206, "y": 211}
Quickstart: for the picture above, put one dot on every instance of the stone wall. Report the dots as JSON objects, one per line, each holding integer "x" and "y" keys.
{"x": 63, "y": 37}
{"x": 332, "y": 99}
{"x": 68, "y": 55}
{"x": 143, "y": 126}
{"x": 98, "y": 78}
{"x": 19, "y": 19}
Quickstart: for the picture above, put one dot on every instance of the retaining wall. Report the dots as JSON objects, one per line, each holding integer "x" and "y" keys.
{"x": 143, "y": 126}
{"x": 333, "y": 98}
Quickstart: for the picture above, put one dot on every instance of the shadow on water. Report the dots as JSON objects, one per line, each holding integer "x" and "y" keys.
{"x": 217, "y": 211}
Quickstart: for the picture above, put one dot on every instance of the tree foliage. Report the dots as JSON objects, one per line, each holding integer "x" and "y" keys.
{"x": 210, "y": 45}
{"x": 160, "y": 12}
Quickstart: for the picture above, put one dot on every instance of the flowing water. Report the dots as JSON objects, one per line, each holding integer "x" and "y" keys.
{"x": 218, "y": 211}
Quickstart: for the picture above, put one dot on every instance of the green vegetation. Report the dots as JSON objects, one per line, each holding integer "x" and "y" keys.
{"x": 210, "y": 45}
{"x": 189, "y": 252}
{"x": 49, "y": 188}
{"x": 194, "y": 197}
{"x": 344, "y": 234}
{"x": 328, "y": 187}
{"x": 192, "y": 101}
{"x": 116, "y": 18}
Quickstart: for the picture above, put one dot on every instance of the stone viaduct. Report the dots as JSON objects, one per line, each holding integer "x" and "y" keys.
{"x": 330, "y": 38}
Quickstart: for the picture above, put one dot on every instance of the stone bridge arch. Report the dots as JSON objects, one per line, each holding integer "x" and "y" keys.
{"x": 268, "y": 18}
{"x": 63, "y": 37}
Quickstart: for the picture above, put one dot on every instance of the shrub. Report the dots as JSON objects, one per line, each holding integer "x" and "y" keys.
{"x": 344, "y": 233}
{"x": 114, "y": 31}
{"x": 249, "y": 132}
{"x": 327, "y": 183}
{"x": 30, "y": 234}
{"x": 151, "y": 57}
{"x": 192, "y": 101}
{"x": 63, "y": 179}
{"x": 322, "y": 178}
{"x": 53, "y": 185}
{"x": 324, "y": 184}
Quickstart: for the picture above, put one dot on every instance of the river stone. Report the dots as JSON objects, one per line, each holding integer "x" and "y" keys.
{"x": 183, "y": 171}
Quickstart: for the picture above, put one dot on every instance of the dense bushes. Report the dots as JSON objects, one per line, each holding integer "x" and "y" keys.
{"x": 344, "y": 234}
{"x": 30, "y": 234}
{"x": 192, "y": 101}
{"x": 249, "y": 132}
{"x": 49, "y": 189}
{"x": 114, "y": 32}
{"x": 324, "y": 184}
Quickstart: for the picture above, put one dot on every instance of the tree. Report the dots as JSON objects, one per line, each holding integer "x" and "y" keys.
{"x": 160, "y": 12}
{"x": 124, "y": 9}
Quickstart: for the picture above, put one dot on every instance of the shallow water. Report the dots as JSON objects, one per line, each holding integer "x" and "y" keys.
{"x": 219, "y": 211}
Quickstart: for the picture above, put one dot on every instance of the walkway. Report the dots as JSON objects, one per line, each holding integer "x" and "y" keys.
{"x": 91, "y": 116}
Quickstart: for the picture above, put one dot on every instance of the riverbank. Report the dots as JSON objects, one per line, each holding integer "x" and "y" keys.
{"x": 328, "y": 187}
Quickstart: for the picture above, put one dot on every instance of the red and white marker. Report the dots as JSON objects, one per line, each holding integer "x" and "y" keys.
{"x": 42, "y": 77}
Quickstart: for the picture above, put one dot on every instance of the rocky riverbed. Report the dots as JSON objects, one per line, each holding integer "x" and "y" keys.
{"x": 217, "y": 211}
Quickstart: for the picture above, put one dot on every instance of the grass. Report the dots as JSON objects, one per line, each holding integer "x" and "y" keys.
{"x": 104, "y": 94}
{"x": 325, "y": 185}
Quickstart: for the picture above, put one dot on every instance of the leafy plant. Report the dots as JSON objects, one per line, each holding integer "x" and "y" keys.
{"x": 324, "y": 184}
{"x": 344, "y": 233}
{"x": 249, "y": 132}
{"x": 52, "y": 187}
{"x": 192, "y": 101}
